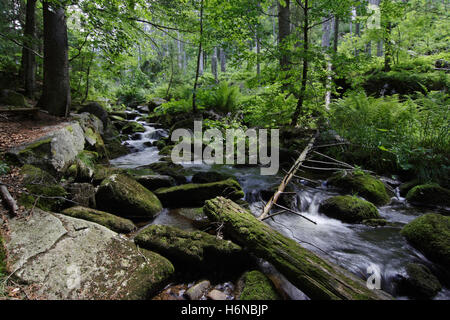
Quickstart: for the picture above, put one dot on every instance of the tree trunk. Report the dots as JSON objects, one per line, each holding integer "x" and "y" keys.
{"x": 388, "y": 50}
{"x": 301, "y": 97}
{"x": 199, "y": 61}
{"x": 29, "y": 60}
{"x": 326, "y": 32}
{"x": 56, "y": 92}
{"x": 316, "y": 277}
{"x": 214, "y": 65}
{"x": 336, "y": 34}
{"x": 223, "y": 60}
{"x": 284, "y": 30}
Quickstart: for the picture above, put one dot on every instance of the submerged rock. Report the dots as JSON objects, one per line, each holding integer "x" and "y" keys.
{"x": 429, "y": 194}
{"x": 68, "y": 258}
{"x": 419, "y": 282}
{"x": 195, "y": 250}
{"x": 153, "y": 182}
{"x": 108, "y": 220}
{"x": 254, "y": 285}
{"x": 195, "y": 195}
{"x": 125, "y": 197}
{"x": 430, "y": 234}
{"x": 362, "y": 184}
{"x": 43, "y": 190}
{"x": 171, "y": 169}
{"x": 349, "y": 209}
{"x": 197, "y": 290}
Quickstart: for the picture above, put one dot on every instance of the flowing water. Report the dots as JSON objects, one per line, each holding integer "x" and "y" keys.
{"x": 354, "y": 247}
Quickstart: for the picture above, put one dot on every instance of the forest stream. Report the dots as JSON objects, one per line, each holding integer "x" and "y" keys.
{"x": 355, "y": 247}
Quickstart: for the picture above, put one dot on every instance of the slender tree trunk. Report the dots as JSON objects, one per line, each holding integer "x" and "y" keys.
{"x": 326, "y": 32}
{"x": 56, "y": 92}
{"x": 388, "y": 51}
{"x": 223, "y": 60}
{"x": 336, "y": 35}
{"x": 88, "y": 73}
{"x": 29, "y": 60}
{"x": 199, "y": 60}
{"x": 284, "y": 30}
{"x": 301, "y": 97}
{"x": 214, "y": 65}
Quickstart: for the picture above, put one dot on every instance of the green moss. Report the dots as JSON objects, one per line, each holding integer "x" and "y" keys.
{"x": 108, "y": 220}
{"x": 133, "y": 127}
{"x": 166, "y": 151}
{"x": 170, "y": 169}
{"x": 258, "y": 287}
{"x": 362, "y": 184}
{"x": 192, "y": 250}
{"x": 43, "y": 190}
{"x": 349, "y": 209}
{"x": 429, "y": 194}
{"x": 194, "y": 195}
{"x": 121, "y": 195}
{"x": 420, "y": 282}
{"x": 430, "y": 234}
{"x": 38, "y": 148}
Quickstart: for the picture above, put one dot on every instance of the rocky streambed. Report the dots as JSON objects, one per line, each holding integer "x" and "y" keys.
{"x": 149, "y": 210}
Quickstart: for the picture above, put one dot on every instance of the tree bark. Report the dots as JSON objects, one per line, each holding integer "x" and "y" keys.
{"x": 301, "y": 97}
{"x": 214, "y": 64}
{"x": 56, "y": 91}
{"x": 29, "y": 60}
{"x": 336, "y": 34}
{"x": 8, "y": 200}
{"x": 199, "y": 61}
{"x": 316, "y": 277}
{"x": 284, "y": 30}
{"x": 223, "y": 60}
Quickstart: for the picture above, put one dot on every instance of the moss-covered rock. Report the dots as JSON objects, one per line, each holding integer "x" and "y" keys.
{"x": 108, "y": 220}
{"x": 43, "y": 191}
{"x": 133, "y": 127}
{"x": 405, "y": 187}
{"x": 349, "y": 209}
{"x": 121, "y": 195}
{"x": 191, "y": 250}
{"x": 171, "y": 169}
{"x": 85, "y": 166}
{"x": 95, "y": 142}
{"x": 12, "y": 98}
{"x": 430, "y": 234}
{"x": 195, "y": 195}
{"x": 375, "y": 222}
{"x": 102, "y": 172}
{"x": 419, "y": 282}
{"x": 82, "y": 194}
{"x": 256, "y": 286}
{"x": 211, "y": 176}
{"x": 429, "y": 194}
{"x": 362, "y": 184}
{"x": 153, "y": 182}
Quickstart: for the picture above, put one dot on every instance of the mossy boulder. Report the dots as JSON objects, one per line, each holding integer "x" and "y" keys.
{"x": 429, "y": 194}
{"x": 95, "y": 142}
{"x": 85, "y": 166}
{"x": 97, "y": 110}
{"x": 102, "y": 172}
{"x": 12, "y": 98}
{"x": 349, "y": 209}
{"x": 195, "y": 195}
{"x": 191, "y": 250}
{"x": 363, "y": 185}
{"x": 430, "y": 234}
{"x": 256, "y": 286}
{"x": 171, "y": 169}
{"x": 153, "y": 182}
{"x": 133, "y": 127}
{"x": 375, "y": 222}
{"x": 419, "y": 282}
{"x": 405, "y": 187}
{"x": 43, "y": 191}
{"x": 211, "y": 176}
{"x": 121, "y": 195}
{"x": 108, "y": 220}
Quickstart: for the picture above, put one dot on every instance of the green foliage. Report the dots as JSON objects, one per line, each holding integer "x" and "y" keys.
{"x": 223, "y": 98}
{"x": 130, "y": 95}
{"x": 4, "y": 168}
{"x": 412, "y": 135}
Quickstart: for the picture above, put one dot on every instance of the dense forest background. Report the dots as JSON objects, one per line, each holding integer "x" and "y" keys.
{"x": 374, "y": 72}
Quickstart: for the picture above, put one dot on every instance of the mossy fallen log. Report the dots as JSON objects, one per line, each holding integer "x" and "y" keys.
{"x": 316, "y": 277}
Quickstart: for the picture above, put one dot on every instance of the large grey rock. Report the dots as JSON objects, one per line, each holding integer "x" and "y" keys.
{"x": 53, "y": 152}
{"x": 67, "y": 258}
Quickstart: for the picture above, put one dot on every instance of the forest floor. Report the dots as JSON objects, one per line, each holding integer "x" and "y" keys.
{"x": 16, "y": 130}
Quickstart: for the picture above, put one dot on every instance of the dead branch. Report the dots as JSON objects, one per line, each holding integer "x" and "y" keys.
{"x": 294, "y": 212}
{"x": 9, "y": 201}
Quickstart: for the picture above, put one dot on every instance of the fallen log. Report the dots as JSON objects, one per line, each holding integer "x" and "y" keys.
{"x": 316, "y": 277}
{"x": 287, "y": 178}
{"x": 8, "y": 200}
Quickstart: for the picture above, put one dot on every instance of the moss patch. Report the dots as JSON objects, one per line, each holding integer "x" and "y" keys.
{"x": 429, "y": 194}
{"x": 362, "y": 184}
{"x": 121, "y": 195}
{"x": 44, "y": 191}
{"x": 195, "y": 195}
{"x": 420, "y": 283}
{"x": 108, "y": 220}
{"x": 430, "y": 234}
{"x": 349, "y": 209}
{"x": 257, "y": 287}
{"x": 133, "y": 127}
